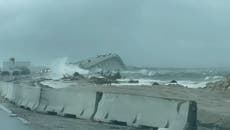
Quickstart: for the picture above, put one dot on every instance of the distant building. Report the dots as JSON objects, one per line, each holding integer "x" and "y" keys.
{"x": 13, "y": 65}
{"x": 111, "y": 62}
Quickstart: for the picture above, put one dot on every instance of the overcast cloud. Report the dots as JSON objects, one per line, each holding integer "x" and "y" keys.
{"x": 165, "y": 33}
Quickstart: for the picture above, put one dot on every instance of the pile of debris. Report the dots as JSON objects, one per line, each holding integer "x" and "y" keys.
{"x": 105, "y": 78}
{"x": 174, "y": 83}
{"x": 75, "y": 76}
{"x": 220, "y": 85}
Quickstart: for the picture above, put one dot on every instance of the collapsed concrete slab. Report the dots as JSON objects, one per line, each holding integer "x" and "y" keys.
{"x": 104, "y": 62}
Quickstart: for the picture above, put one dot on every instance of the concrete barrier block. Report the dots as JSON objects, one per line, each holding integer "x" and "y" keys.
{"x": 68, "y": 101}
{"x": 141, "y": 111}
{"x": 9, "y": 90}
{"x": 27, "y": 96}
{"x": 3, "y": 89}
{"x": 79, "y": 103}
{"x": 51, "y": 101}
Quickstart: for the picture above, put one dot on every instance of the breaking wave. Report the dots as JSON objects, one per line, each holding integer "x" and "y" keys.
{"x": 186, "y": 77}
{"x": 186, "y": 83}
{"x": 61, "y": 67}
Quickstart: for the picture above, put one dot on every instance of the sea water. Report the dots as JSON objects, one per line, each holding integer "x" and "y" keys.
{"x": 188, "y": 77}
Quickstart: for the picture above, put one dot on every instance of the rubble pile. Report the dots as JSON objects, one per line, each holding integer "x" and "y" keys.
{"x": 75, "y": 76}
{"x": 105, "y": 78}
{"x": 220, "y": 85}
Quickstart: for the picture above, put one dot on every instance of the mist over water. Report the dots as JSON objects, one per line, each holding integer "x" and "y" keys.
{"x": 61, "y": 67}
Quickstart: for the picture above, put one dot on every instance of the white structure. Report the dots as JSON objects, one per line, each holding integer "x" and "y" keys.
{"x": 112, "y": 62}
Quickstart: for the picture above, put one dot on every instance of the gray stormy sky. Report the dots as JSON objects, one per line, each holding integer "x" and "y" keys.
{"x": 166, "y": 33}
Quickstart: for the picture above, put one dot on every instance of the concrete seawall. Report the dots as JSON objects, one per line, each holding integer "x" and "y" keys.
{"x": 93, "y": 104}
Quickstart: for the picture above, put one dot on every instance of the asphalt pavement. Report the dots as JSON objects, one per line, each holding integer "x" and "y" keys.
{"x": 9, "y": 121}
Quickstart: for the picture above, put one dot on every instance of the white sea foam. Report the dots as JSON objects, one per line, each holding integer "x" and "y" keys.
{"x": 142, "y": 71}
{"x": 147, "y": 82}
{"x": 213, "y": 78}
{"x": 61, "y": 67}
{"x": 186, "y": 83}
{"x": 193, "y": 84}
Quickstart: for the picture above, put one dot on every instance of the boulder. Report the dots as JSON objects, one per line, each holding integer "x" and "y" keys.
{"x": 155, "y": 83}
{"x": 133, "y": 81}
{"x": 174, "y": 82}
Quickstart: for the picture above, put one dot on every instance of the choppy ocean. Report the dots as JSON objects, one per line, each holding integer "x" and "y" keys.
{"x": 192, "y": 78}
{"x": 189, "y": 77}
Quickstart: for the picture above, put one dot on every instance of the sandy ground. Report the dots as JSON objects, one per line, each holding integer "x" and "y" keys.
{"x": 9, "y": 121}
{"x": 213, "y": 108}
